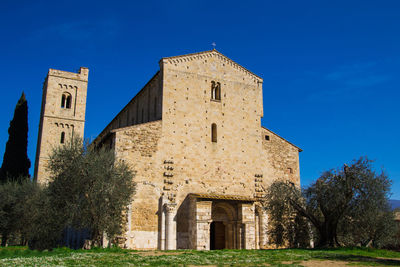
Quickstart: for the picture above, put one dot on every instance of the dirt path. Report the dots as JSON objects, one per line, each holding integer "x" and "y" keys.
{"x": 324, "y": 263}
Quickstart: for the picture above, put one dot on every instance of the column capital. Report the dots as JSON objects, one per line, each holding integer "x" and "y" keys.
{"x": 170, "y": 207}
{"x": 260, "y": 209}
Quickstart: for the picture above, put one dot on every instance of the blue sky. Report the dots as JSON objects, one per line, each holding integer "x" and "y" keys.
{"x": 330, "y": 68}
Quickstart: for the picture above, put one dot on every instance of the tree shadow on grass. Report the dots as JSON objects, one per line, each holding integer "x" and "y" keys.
{"x": 360, "y": 259}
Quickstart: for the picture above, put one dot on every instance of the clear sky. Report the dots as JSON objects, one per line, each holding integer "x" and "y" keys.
{"x": 330, "y": 68}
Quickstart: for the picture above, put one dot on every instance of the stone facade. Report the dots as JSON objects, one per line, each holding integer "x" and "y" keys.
{"x": 62, "y": 114}
{"x": 193, "y": 136}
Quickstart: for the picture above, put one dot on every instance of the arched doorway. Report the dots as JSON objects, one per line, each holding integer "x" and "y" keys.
{"x": 217, "y": 235}
{"x": 223, "y": 215}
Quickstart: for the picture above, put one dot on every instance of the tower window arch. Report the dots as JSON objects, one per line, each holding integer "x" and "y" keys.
{"x": 215, "y": 90}
{"x": 62, "y": 138}
{"x": 66, "y": 100}
{"x": 213, "y": 133}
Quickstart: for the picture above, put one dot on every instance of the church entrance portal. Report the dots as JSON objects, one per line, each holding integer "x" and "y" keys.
{"x": 217, "y": 235}
{"x": 221, "y": 222}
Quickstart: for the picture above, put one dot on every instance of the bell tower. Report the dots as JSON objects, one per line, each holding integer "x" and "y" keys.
{"x": 62, "y": 114}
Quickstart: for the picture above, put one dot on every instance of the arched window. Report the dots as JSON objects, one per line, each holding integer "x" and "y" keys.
{"x": 62, "y": 139}
{"x": 213, "y": 133}
{"x": 218, "y": 91}
{"x": 215, "y": 90}
{"x": 66, "y": 100}
{"x": 212, "y": 90}
{"x": 63, "y": 101}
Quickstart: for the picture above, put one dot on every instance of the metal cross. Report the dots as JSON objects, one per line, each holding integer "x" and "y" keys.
{"x": 214, "y": 45}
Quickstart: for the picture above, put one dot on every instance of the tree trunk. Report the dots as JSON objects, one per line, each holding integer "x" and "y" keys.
{"x": 327, "y": 236}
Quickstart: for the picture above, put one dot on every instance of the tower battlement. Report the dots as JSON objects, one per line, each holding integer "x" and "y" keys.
{"x": 82, "y": 74}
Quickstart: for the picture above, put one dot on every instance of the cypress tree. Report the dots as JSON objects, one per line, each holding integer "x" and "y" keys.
{"x": 16, "y": 163}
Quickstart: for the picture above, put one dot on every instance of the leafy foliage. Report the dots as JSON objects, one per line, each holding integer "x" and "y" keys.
{"x": 286, "y": 227}
{"x": 89, "y": 189}
{"x": 13, "y": 206}
{"x": 348, "y": 206}
{"x": 16, "y": 163}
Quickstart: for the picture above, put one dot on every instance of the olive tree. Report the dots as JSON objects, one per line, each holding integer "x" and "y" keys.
{"x": 14, "y": 219}
{"x": 89, "y": 189}
{"x": 345, "y": 206}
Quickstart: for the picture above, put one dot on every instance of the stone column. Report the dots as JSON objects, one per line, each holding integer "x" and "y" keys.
{"x": 161, "y": 223}
{"x": 234, "y": 235}
{"x": 229, "y": 233}
{"x": 203, "y": 220}
{"x": 170, "y": 234}
{"x": 263, "y": 224}
{"x": 257, "y": 230}
{"x": 239, "y": 235}
{"x": 162, "y": 230}
{"x": 246, "y": 215}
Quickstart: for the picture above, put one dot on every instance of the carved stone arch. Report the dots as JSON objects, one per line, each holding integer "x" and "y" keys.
{"x": 222, "y": 229}
{"x": 223, "y": 211}
{"x": 66, "y": 100}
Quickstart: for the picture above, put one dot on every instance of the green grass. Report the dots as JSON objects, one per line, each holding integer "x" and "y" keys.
{"x": 21, "y": 256}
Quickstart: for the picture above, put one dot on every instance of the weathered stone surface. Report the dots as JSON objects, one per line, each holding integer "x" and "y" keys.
{"x": 180, "y": 136}
{"x": 57, "y": 117}
{"x": 175, "y": 156}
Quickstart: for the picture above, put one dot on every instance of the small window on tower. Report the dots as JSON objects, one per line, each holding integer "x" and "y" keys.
{"x": 63, "y": 101}
{"x": 66, "y": 100}
{"x": 62, "y": 139}
{"x": 267, "y": 137}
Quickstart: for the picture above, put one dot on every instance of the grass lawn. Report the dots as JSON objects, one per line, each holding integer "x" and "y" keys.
{"x": 21, "y": 256}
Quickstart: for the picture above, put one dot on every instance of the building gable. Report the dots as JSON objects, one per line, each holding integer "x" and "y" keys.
{"x": 213, "y": 62}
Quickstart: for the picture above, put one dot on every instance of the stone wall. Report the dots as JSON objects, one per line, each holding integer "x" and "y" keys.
{"x": 176, "y": 156}
{"x": 200, "y": 165}
{"x": 138, "y": 146}
{"x": 146, "y": 106}
{"x": 283, "y": 157}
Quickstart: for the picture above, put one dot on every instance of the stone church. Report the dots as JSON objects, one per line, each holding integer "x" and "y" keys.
{"x": 193, "y": 136}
